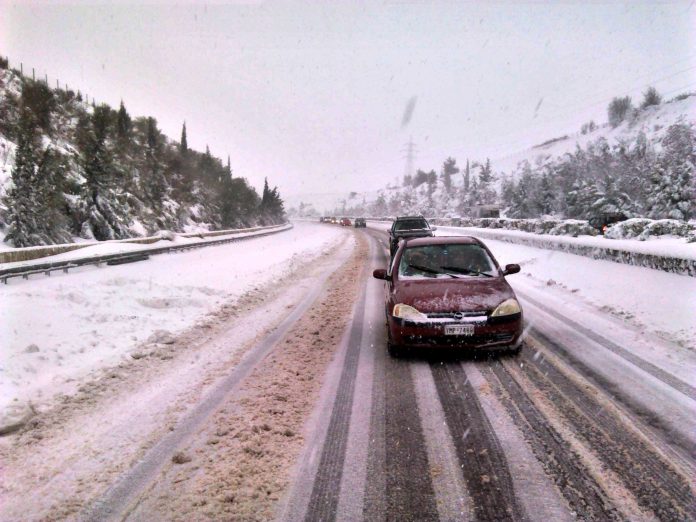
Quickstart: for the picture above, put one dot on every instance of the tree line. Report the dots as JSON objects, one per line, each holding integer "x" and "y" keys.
{"x": 98, "y": 173}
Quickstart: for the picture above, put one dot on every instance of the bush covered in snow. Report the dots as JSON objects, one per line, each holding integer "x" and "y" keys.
{"x": 629, "y": 229}
{"x": 574, "y": 228}
{"x": 666, "y": 227}
{"x": 643, "y": 229}
{"x": 634, "y": 228}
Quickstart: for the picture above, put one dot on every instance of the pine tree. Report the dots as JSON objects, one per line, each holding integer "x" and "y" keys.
{"x": 156, "y": 184}
{"x": 611, "y": 199}
{"x": 107, "y": 218}
{"x": 672, "y": 193}
{"x": 271, "y": 207}
{"x": 486, "y": 178}
{"x": 50, "y": 199}
{"x": 123, "y": 125}
{"x": 449, "y": 169}
{"x": 183, "y": 146}
{"x": 23, "y": 227}
{"x": 547, "y": 198}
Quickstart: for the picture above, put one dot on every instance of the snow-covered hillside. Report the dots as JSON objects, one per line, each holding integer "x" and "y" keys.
{"x": 643, "y": 167}
{"x": 72, "y": 170}
{"x": 652, "y": 121}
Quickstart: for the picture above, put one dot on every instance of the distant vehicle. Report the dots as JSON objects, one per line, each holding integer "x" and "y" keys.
{"x": 359, "y": 223}
{"x": 449, "y": 292}
{"x": 345, "y": 222}
{"x": 602, "y": 221}
{"x": 322, "y": 220}
{"x": 333, "y": 220}
{"x": 408, "y": 227}
{"x": 486, "y": 211}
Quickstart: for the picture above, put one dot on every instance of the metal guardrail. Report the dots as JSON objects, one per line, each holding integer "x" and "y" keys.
{"x": 121, "y": 258}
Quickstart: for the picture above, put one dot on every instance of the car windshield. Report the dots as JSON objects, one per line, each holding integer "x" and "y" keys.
{"x": 410, "y": 224}
{"x": 450, "y": 261}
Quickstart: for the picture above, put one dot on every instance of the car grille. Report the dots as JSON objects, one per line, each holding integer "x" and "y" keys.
{"x": 473, "y": 340}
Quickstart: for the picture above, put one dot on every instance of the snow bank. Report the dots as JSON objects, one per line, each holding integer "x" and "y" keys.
{"x": 667, "y": 254}
{"x": 57, "y": 330}
{"x": 651, "y": 301}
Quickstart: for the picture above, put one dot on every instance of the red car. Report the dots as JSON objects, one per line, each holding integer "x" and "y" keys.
{"x": 345, "y": 222}
{"x": 450, "y": 292}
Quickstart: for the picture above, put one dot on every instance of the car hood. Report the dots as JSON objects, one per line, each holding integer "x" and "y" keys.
{"x": 453, "y": 295}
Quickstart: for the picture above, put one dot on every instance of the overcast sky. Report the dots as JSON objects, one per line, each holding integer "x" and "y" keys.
{"x": 313, "y": 95}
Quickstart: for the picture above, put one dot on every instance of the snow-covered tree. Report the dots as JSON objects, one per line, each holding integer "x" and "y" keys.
{"x": 21, "y": 199}
{"x": 183, "y": 144}
{"x": 672, "y": 193}
{"x": 124, "y": 125}
{"x": 449, "y": 169}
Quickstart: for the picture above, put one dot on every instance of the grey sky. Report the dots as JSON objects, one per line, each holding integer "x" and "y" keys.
{"x": 312, "y": 95}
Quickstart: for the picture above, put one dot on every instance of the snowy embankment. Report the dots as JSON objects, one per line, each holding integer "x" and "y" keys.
{"x": 649, "y": 301}
{"x": 57, "y": 331}
{"x": 668, "y": 254}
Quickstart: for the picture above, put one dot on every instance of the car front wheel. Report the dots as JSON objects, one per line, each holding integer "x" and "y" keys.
{"x": 394, "y": 350}
{"x": 514, "y": 351}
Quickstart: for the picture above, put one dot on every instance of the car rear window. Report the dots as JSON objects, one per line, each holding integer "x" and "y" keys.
{"x": 438, "y": 261}
{"x": 410, "y": 224}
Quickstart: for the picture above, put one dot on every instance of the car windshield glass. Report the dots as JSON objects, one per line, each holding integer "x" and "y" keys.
{"x": 434, "y": 261}
{"x": 410, "y": 224}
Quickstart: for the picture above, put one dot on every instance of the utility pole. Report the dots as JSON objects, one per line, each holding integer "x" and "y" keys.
{"x": 410, "y": 152}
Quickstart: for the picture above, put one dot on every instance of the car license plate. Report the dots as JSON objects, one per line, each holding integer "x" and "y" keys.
{"x": 459, "y": 329}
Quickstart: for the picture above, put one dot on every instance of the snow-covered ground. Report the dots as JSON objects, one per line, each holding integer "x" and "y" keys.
{"x": 652, "y": 121}
{"x": 57, "y": 330}
{"x": 657, "y": 302}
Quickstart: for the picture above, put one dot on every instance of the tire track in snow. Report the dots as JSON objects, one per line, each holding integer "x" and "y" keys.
{"x": 409, "y": 490}
{"x": 480, "y": 455}
{"x": 655, "y": 484}
{"x": 582, "y": 493}
{"x": 323, "y": 502}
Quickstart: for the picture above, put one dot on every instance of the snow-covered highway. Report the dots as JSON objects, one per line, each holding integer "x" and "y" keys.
{"x": 277, "y": 398}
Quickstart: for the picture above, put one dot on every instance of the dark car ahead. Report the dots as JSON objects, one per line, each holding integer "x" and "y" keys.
{"x": 408, "y": 227}
{"x": 450, "y": 292}
{"x": 602, "y": 221}
{"x": 359, "y": 223}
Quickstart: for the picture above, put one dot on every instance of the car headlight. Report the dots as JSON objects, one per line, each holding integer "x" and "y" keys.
{"x": 404, "y": 311}
{"x": 507, "y": 307}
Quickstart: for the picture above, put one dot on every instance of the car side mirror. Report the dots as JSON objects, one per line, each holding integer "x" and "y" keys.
{"x": 511, "y": 269}
{"x": 381, "y": 273}
{"x": 433, "y": 229}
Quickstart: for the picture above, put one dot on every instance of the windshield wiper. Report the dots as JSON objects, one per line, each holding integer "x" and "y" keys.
{"x": 428, "y": 270}
{"x": 466, "y": 271}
